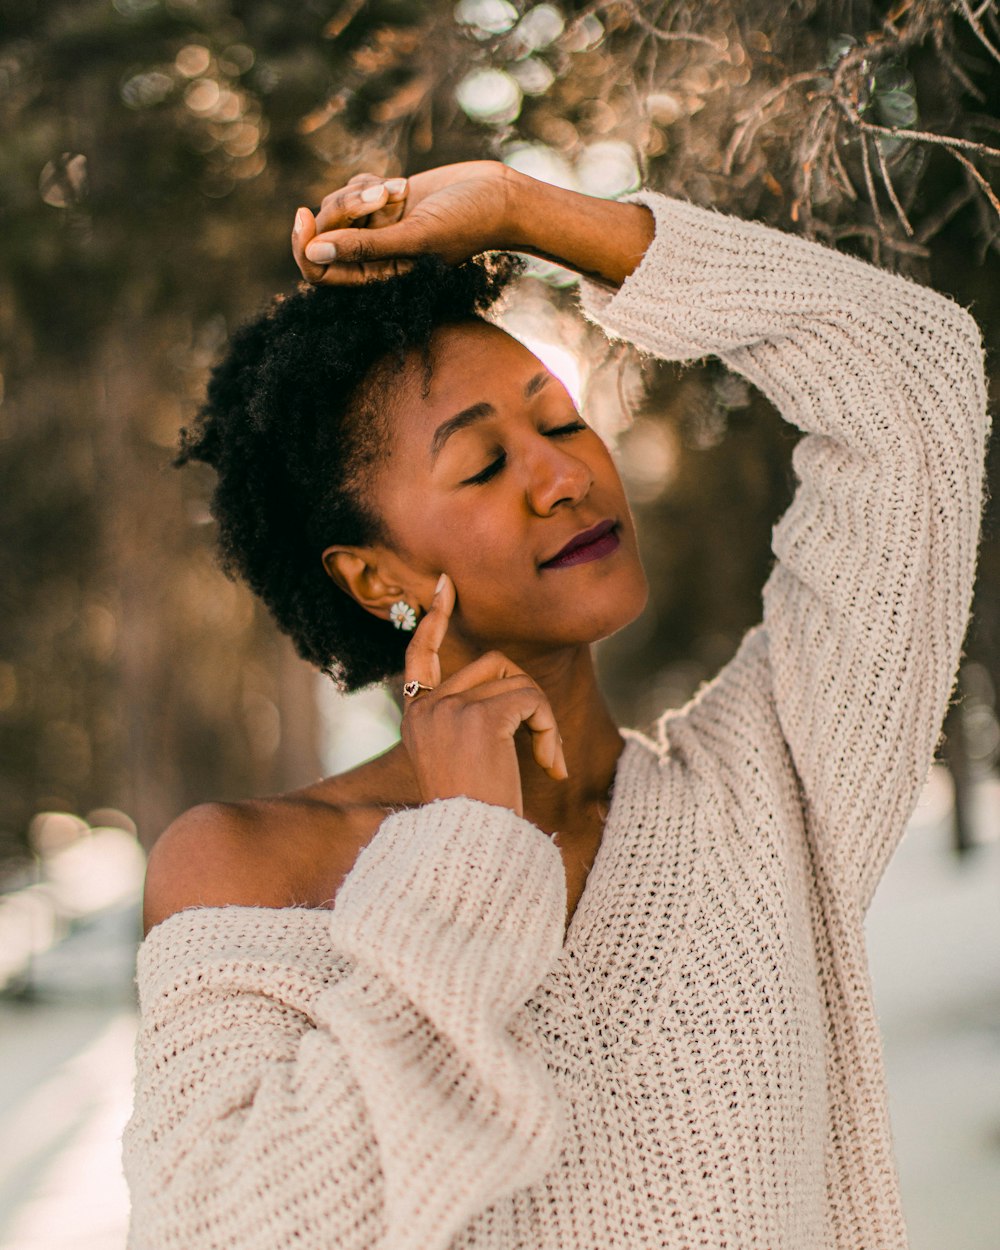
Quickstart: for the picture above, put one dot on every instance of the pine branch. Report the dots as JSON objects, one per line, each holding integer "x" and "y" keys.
{"x": 904, "y": 221}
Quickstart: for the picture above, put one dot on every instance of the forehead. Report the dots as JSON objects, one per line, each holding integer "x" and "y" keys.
{"x": 470, "y": 362}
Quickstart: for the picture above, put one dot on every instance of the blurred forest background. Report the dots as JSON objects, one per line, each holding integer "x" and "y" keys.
{"x": 152, "y": 154}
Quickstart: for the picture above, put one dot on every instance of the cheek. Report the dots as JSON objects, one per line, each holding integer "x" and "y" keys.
{"x": 489, "y": 559}
{"x": 606, "y": 471}
{"x": 468, "y": 540}
{"x": 480, "y": 549}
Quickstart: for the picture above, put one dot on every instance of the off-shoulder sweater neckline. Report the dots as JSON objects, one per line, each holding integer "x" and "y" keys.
{"x": 290, "y": 918}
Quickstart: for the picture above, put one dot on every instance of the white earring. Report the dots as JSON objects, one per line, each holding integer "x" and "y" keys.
{"x": 403, "y": 616}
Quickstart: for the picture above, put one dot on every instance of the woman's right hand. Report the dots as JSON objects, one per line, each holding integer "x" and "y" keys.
{"x": 460, "y": 734}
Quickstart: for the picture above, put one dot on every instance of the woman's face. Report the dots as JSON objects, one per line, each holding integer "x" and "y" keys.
{"x": 494, "y": 479}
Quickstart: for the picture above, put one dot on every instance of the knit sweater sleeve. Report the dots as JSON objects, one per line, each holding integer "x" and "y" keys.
{"x": 355, "y": 1077}
{"x": 866, "y": 607}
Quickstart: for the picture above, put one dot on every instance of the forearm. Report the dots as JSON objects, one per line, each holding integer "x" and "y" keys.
{"x": 603, "y": 239}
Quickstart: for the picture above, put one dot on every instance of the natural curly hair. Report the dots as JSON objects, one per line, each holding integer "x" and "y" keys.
{"x": 295, "y": 418}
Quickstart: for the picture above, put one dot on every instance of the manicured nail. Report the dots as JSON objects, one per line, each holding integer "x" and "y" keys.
{"x": 300, "y": 221}
{"x": 371, "y": 194}
{"x": 321, "y": 252}
{"x": 396, "y": 186}
{"x": 440, "y": 585}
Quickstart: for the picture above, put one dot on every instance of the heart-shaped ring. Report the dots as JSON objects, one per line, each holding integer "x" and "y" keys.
{"x": 412, "y": 688}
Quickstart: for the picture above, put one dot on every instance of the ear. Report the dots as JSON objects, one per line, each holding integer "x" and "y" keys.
{"x": 360, "y": 573}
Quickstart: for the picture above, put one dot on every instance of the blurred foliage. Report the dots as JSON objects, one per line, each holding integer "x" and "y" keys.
{"x": 152, "y": 153}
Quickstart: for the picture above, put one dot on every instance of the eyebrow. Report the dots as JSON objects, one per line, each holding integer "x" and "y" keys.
{"x": 478, "y": 412}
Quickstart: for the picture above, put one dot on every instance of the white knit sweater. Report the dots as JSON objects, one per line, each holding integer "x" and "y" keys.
{"x": 696, "y": 1063}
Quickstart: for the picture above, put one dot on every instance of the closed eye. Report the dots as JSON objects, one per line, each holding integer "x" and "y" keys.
{"x": 573, "y": 428}
{"x": 492, "y": 469}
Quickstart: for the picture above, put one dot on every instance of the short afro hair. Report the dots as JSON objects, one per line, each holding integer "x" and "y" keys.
{"x": 294, "y": 418}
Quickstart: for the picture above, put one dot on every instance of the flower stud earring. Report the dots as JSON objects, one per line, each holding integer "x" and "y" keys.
{"x": 403, "y": 616}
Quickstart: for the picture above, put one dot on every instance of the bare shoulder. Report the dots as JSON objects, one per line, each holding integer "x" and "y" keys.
{"x": 202, "y": 859}
{"x": 290, "y": 850}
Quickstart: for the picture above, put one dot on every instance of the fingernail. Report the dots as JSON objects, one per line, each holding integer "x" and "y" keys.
{"x": 395, "y": 186}
{"x": 440, "y": 584}
{"x": 300, "y": 221}
{"x": 371, "y": 194}
{"x": 321, "y": 252}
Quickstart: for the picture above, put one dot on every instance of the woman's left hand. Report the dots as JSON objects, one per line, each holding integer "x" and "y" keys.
{"x": 374, "y": 227}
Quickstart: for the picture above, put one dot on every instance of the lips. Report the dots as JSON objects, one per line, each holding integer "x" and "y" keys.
{"x": 590, "y": 544}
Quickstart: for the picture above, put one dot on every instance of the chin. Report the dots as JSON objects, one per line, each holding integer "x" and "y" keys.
{"x": 623, "y": 612}
{"x": 577, "y": 616}
{"x": 605, "y": 611}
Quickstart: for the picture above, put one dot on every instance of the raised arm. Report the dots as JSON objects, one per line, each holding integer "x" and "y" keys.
{"x": 867, "y": 605}
{"x": 351, "y": 1078}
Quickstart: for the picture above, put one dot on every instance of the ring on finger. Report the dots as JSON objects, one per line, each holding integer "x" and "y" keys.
{"x": 412, "y": 688}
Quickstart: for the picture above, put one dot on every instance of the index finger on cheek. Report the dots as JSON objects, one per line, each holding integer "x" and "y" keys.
{"x": 430, "y": 633}
{"x": 444, "y": 595}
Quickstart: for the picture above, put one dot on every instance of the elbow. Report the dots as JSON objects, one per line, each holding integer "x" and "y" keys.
{"x": 971, "y": 353}
{"x": 959, "y": 348}
{"x": 934, "y": 348}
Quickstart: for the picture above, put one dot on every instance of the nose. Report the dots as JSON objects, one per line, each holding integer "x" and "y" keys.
{"x": 556, "y": 478}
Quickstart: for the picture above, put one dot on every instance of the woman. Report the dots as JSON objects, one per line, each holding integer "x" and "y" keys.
{"x": 527, "y": 980}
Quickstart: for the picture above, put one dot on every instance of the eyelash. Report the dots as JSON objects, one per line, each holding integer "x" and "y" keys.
{"x": 493, "y": 469}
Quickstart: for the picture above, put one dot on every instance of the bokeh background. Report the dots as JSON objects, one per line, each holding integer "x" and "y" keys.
{"x": 152, "y": 154}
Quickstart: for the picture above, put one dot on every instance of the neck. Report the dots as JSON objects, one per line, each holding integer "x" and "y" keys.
{"x": 591, "y": 740}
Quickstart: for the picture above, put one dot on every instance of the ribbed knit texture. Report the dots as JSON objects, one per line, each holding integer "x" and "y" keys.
{"x": 696, "y": 1063}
